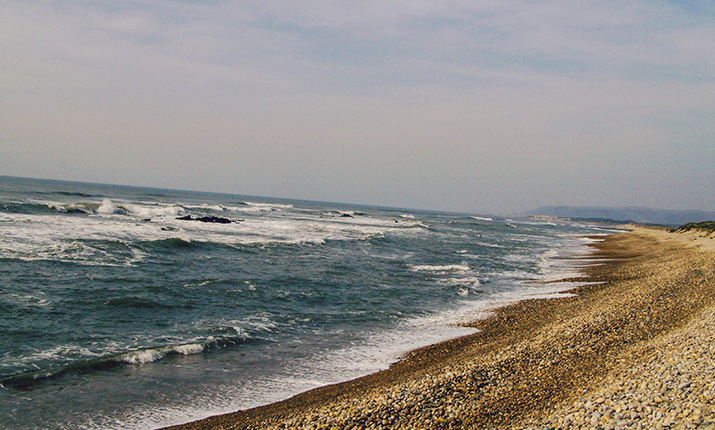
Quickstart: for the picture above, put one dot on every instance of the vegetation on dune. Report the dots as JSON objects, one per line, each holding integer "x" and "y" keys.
{"x": 708, "y": 226}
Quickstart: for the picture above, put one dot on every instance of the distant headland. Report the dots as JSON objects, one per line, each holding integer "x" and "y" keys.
{"x": 624, "y": 214}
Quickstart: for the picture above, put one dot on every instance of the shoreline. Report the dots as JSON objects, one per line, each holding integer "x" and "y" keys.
{"x": 531, "y": 361}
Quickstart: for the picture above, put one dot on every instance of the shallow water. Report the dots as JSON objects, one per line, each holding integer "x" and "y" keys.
{"x": 118, "y": 314}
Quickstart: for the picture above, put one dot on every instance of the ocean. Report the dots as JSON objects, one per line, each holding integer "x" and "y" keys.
{"x": 137, "y": 308}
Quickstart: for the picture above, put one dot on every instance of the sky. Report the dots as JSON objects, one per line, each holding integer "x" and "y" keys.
{"x": 467, "y": 106}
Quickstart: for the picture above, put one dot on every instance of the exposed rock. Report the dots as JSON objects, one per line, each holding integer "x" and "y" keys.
{"x": 210, "y": 219}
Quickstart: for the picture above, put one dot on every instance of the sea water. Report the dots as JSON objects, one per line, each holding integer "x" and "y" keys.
{"x": 127, "y": 307}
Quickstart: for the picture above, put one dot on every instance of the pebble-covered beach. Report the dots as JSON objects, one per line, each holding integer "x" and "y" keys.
{"x": 634, "y": 348}
{"x": 671, "y": 385}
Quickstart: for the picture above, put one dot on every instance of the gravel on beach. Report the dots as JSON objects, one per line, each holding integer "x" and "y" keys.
{"x": 634, "y": 348}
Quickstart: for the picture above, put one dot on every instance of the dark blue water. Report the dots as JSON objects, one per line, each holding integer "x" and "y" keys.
{"x": 138, "y": 308}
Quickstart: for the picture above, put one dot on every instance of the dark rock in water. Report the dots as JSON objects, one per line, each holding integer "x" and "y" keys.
{"x": 346, "y": 216}
{"x": 216, "y": 219}
{"x": 213, "y": 219}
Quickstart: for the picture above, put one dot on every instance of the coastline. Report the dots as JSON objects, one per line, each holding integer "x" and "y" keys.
{"x": 535, "y": 363}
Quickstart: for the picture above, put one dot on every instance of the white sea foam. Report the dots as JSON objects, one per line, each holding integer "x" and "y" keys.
{"x": 255, "y": 207}
{"x": 64, "y": 352}
{"x": 145, "y": 356}
{"x": 217, "y": 208}
{"x": 156, "y": 210}
{"x": 240, "y": 331}
{"x": 482, "y": 218}
{"x": 38, "y": 237}
{"x": 489, "y": 245}
{"x": 107, "y": 207}
{"x": 156, "y": 354}
{"x": 199, "y": 284}
{"x": 189, "y": 349}
{"x": 470, "y": 281}
{"x": 444, "y": 268}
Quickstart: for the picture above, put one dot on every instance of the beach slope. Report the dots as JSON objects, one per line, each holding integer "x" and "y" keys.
{"x": 633, "y": 348}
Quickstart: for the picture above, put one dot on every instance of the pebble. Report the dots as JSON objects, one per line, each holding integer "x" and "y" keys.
{"x": 683, "y": 360}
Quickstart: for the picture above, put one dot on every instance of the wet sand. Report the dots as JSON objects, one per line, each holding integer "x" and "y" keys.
{"x": 635, "y": 348}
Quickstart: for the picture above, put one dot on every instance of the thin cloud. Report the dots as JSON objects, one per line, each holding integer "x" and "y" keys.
{"x": 457, "y": 100}
{"x": 372, "y": 41}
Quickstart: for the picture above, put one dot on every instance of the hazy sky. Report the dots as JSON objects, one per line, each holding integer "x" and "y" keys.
{"x": 477, "y": 106}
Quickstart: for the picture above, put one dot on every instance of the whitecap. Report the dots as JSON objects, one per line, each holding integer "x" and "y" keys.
{"x": 190, "y": 349}
{"x": 259, "y": 207}
{"x": 488, "y": 245}
{"x": 437, "y": 268}
{"x": 479, "y": 218}
{"x": 107, "y": 207}
{"x": 140, "y": 357}
{"x": 151, "y": 211}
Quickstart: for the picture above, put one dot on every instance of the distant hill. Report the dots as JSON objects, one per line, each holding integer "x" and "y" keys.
{"x": 637, "y": 215}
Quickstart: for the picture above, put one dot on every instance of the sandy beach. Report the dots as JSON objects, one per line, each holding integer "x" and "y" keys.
{"x": 634, "y": 348}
